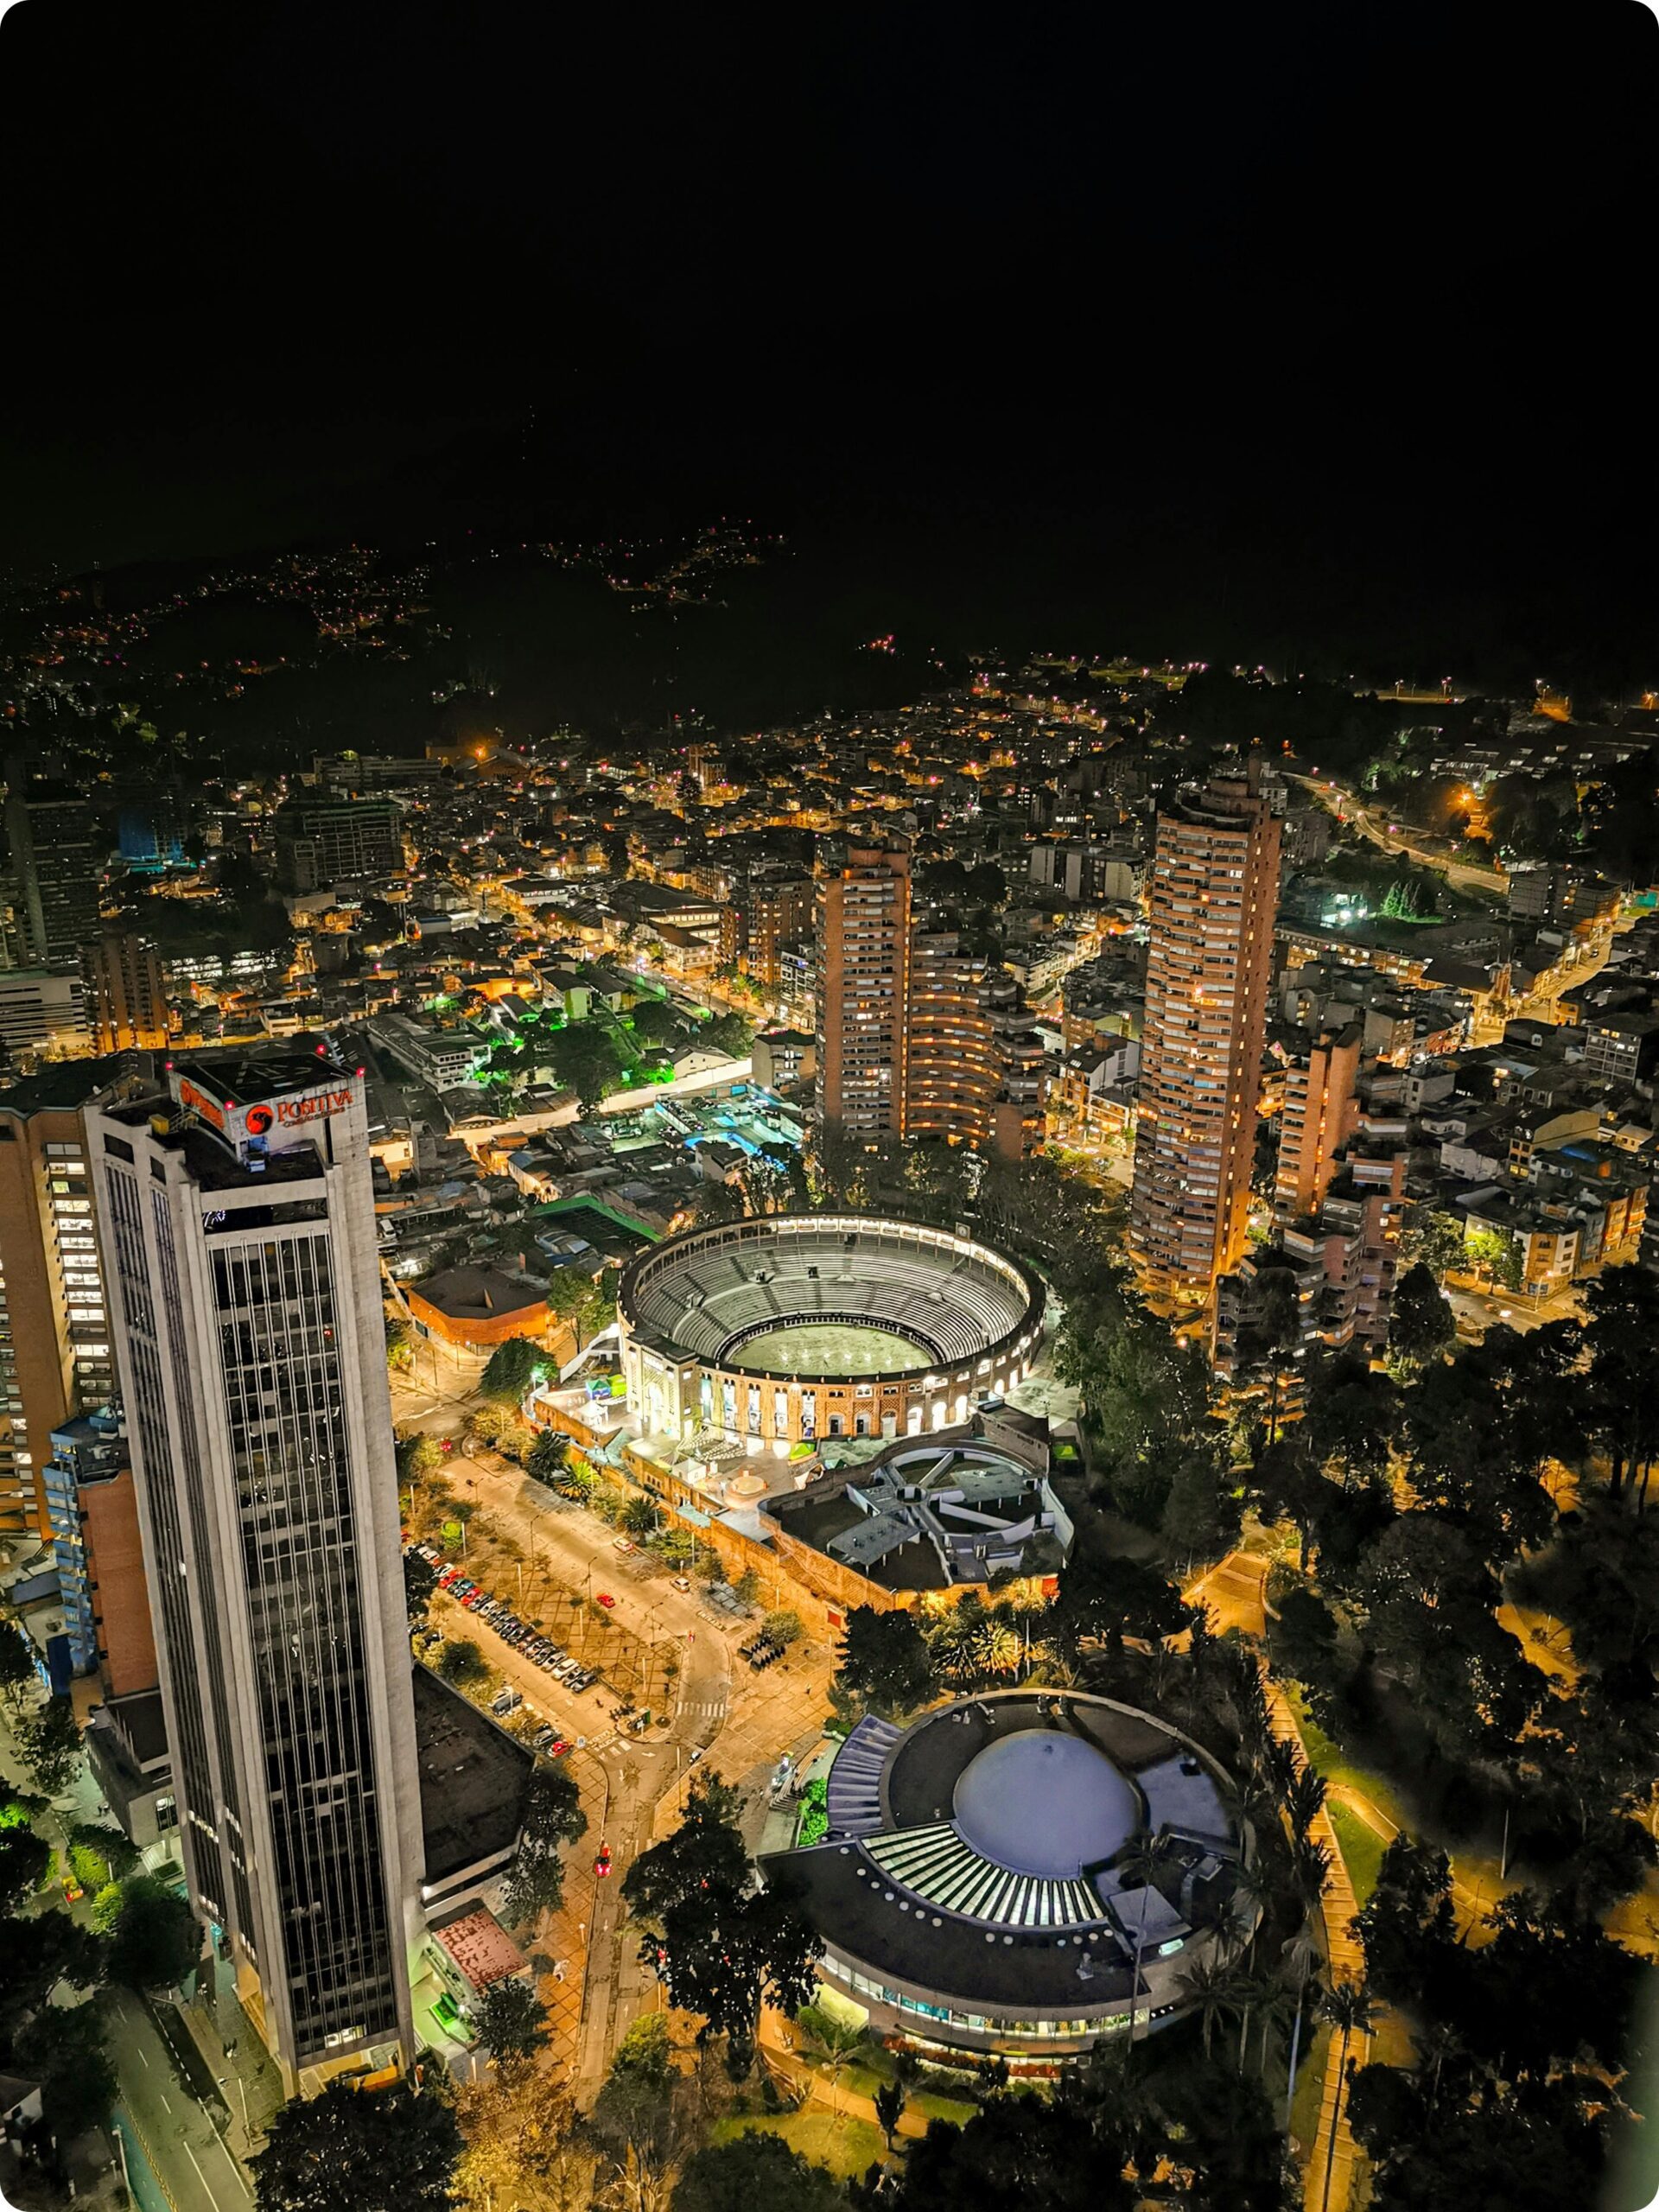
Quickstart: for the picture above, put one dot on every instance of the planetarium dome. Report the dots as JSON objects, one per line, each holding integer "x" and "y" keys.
{"x": 1044, "y": 1804}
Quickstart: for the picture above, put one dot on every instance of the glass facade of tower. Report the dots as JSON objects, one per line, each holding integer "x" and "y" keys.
{"x": 248, "y": 1332}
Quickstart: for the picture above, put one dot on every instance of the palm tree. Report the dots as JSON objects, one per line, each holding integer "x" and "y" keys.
{"x": 1303, "y": 1957}
{"x": 1304, "y": 1801}
{"x": 1136, "y": 1869}
{"x": 995, "y": 1646}
{"x": 836, "y": 2041}
{"x": 1350, "y": 2008}
{"x": 1210, "y": 1988}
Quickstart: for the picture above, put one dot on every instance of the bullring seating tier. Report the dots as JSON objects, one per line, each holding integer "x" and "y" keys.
{"x": 711, "y": 1302}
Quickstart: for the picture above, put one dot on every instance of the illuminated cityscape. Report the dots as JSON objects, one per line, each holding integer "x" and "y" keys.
{"x": 828, "y": 1115}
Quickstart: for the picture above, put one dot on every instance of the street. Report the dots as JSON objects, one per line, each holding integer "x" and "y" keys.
{"x": 1462, "y": 876}
{"x": 180, "y": 2143}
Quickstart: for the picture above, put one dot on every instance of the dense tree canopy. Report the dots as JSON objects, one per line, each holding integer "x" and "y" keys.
{"x": 346, "y": 2150}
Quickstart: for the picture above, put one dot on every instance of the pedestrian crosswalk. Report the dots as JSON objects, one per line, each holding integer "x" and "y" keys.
{"x": 712, "y": 1709}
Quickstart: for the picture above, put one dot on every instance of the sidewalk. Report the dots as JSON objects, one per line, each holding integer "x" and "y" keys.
{"x": 241, "y": 2068}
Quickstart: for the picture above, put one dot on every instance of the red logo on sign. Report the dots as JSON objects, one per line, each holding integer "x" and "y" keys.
{"x": 259, "y": 1120}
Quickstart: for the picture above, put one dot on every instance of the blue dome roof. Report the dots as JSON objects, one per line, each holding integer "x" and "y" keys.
{"x": 1043, "y": 1803}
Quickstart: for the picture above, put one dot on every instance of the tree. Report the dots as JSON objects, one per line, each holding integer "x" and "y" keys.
{"x": 588, "y": 1302}
{"x": 419, "y": 1457}
{"x": 49, "y": 1743}
{"x": 420, "y": 1582}
{"x": 155, "y": 1938}
{"x": 461, "y": 1661}
{"x": 547, "y": 1456}
{"x": 1620, "y": 1337}
{"x": 1420, "y": 1322}
{"x": 1204, "y": 1510}
{"x": 889, "y": 2108}
{"x": 706, "y": 1851}
{"x": 17, "y": 1669}
{"x": 641, "y": 1517}
{"x": 718, "y": 1946}
{"x": 512, "y": 1368}
{"x": 392, "y": 2150}
{"x": 885, "y": 1661}
{"x": 1348, "y": 2007}
{"x": 24, "y": 1860}
{"x": 731, "y": 1033}
{"x": 756, "y": 2171}
{"x": 1023, "y": 2152}
{"x": 635, "y": 2116}
{"x": 522, "y": 2148}
{"x": 553, "y": 1816}
{"x": 510, "y": 2019}
{"x": 783, "y": 1627}
{"x": 1496, "y": 1254}
{"x": 400, "y": 1341}
{"x": 1210, "y": 1988}
{"x": 64, "y": 2048}
{"x": 43, "y": 1948}
{"x": 1432, "y": 1239}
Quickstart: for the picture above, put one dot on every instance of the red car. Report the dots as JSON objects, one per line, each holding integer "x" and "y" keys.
{"x": 556, "y": 1748}
{"x": 603, "y": 1863}
{"x": 603, "y": 1598}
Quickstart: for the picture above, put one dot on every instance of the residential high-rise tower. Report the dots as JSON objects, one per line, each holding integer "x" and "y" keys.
{"x": 916, "y": 1037}
{"x": 1213, "y": 889}
{"x": 863, "y": 988}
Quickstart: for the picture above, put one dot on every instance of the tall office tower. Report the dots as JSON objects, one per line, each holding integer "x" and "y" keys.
{"x": 55, "y": 1332}
{"x": 1321, "y": 1113}
{"x": 863, "y": 986}
{"x": 129, "y": 998}
{"x": 239, "y": 1221}
{"x": 324, "y": 841}
{"x": 1213, "y": 888}
{"x": 57, "y": 867}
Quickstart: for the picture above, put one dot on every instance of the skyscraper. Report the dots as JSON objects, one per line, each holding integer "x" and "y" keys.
{"x": 57, "y": 866}
{"x": 916, "y": 1037}
{"x": 129, "y": 998}
{"x": 1213, "y": 888}
{"x": 239, "y": 1223}
{"x": 54, "y": 1334}
{"x": 863, "y": 988}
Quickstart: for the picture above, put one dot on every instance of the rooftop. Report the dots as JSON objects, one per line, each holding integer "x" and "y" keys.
{"x": 480, "y": 1294}
{"x": 481, "y": 1948}
{"x": 473, "y": 1777}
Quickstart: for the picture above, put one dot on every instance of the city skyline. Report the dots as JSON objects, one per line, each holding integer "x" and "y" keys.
{"x": 829, "y": 1113}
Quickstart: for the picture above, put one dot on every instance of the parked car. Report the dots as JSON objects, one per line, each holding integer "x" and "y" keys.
{"x": 603, "y": 1863}
{"x": 623, "y": 1544}
{"x": 679, "y": 1582}
{"x": 604, "y": 1598}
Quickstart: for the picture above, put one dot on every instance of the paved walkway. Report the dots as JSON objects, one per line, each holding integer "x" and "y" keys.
{"x": 1234, "y": 1591}
{"x": 1334, "y": 2145}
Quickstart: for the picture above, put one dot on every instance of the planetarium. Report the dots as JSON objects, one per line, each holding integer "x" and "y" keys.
{"x": 980, "y": 1884}
{"x": 792, "y": 1328}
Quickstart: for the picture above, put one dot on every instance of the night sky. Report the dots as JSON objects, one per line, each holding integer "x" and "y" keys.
{"x": 1316, "y": 330}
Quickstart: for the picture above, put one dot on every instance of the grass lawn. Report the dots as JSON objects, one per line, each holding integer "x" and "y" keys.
{"x": 1328, "y": 1759}
{"x": 1362, "y": 1851}
{"x": 846, "y": 2145}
